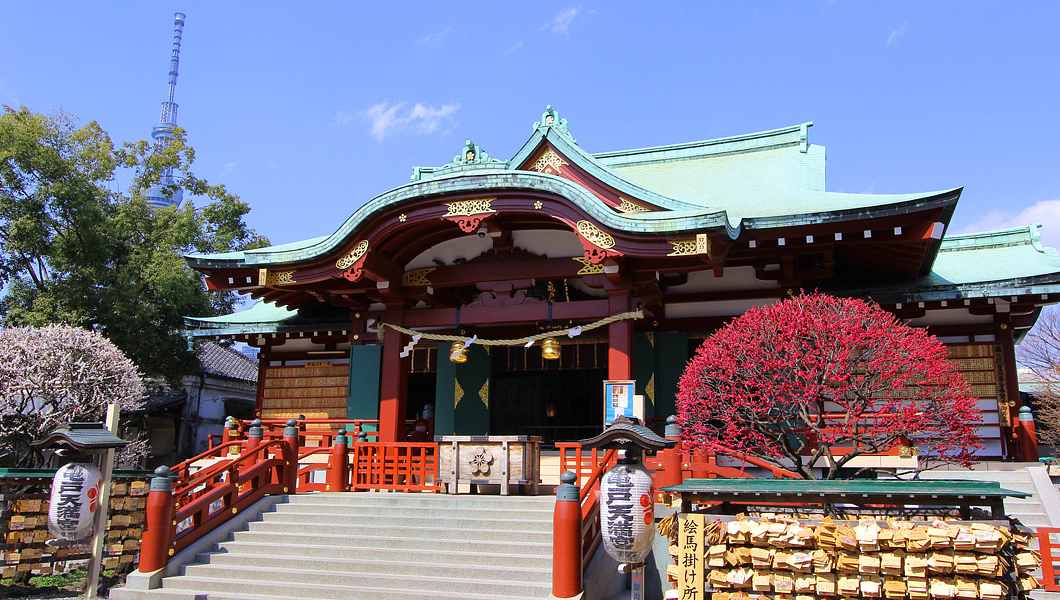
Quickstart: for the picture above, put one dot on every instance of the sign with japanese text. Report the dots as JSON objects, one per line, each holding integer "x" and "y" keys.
{"x": 690, "y": 555}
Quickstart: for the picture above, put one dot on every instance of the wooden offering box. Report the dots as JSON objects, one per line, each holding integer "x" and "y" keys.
{"x": 504, "y": 460}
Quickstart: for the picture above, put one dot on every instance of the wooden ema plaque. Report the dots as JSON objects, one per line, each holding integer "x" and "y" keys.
{"x": 317, "y": 390}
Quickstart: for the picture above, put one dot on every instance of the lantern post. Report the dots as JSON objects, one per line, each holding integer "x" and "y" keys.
{"x": 81, "y": 489}
{"x": 627, "y": 497}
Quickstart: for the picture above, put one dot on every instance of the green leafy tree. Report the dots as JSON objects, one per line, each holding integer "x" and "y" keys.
{"x": 75, "y": 250}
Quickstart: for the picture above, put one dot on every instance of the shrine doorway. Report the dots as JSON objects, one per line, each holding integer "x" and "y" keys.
{"x": 559, "y": 400}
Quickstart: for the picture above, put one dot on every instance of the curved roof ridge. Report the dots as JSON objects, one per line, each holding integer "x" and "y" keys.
{"x": 749, "y": 142}
{"x": 1027, "y": 235}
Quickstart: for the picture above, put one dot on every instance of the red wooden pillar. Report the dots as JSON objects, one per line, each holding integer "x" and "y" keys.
{"x": 620, "y": 338}
{"x": 1013, "y": 445}
{"x": 393, "y": 386}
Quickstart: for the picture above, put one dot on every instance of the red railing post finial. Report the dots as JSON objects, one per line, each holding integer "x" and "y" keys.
{"x": 339, "y": 465}
{"x": 154, "y": 546}
{"x": 290, "y": 456}
{"x": 567, "y": 539}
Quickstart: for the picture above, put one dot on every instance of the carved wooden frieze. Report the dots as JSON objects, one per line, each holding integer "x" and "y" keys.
{"x": 550, "y": 163}
{"x": 272, "y": 278}
{"x": 468, "y": 214}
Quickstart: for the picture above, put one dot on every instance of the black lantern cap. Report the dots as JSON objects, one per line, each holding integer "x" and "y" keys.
{"x": 626, "y": 433}
{"x": 83, "y": 437}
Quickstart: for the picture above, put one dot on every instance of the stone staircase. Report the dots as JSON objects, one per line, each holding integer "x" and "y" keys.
{"x": 371, "y": 545}
{"x": 1029, "y": 511}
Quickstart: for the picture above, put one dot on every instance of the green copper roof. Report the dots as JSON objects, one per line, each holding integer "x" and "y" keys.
{"x": 268, "y": 318}
{"x": 980, "y": 265}
{"x": 757, "y": 181}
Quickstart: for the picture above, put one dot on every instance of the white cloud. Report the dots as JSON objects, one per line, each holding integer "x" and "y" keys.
{"x": 228, "y": 168}
{"x": 341, "y": 118}
{"x": 514, "y": 47}
{"x": 561, "y": 22}
{"x": 385, "y": 118}
{"x": 1046, "y": 212}
{"x": 433, "y": 37}
{"x": 896, "y": 35}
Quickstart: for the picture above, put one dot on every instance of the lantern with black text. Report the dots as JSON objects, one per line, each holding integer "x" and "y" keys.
{"x": 627, "y": 510}
{"x": 76, "y": 490}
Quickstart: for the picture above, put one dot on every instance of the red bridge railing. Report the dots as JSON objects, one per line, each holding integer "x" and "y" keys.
{"x": 199, "y": 494}
{"x": 1050, "y": 558}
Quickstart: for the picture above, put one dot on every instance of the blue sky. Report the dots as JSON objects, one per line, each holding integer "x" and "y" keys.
{"x": 307, "y": 110}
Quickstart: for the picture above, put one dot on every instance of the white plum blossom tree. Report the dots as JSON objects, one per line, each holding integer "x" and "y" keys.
{"x": 56, "y": 374}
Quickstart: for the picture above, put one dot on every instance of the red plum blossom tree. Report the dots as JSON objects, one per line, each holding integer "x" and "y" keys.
{"x": 816, "y": 381}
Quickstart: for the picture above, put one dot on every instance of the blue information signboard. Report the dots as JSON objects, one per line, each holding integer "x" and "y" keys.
{"x": 618, "y": 399}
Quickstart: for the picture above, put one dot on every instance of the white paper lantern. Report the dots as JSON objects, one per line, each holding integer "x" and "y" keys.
{"x": 76, "y": 490}
{"x": 627, "y": 512}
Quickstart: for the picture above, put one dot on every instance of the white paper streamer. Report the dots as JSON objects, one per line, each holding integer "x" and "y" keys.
{"x": 574, "y": 331}
{"x": 468, "y": 343}
{"x": 528, "y": 344}
{"x": 408, "y": 347}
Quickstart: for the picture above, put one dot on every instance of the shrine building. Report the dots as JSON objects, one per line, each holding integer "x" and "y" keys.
{"x": 630, "y": 258}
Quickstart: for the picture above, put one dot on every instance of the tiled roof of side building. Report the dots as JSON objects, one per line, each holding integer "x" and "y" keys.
{"x": 1007, "y": 262}
{"x": 227, "y": 362}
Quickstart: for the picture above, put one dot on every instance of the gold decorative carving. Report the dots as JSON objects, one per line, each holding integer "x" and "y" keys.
{"x": 629, "y": 207}
{"x": 538, "y": 205}
{"x": 402, "y": 217}
{"x": 649, "y": 390}
{"x": 595, "y": 236}
{"x": 588, "y": 268}
{"x": 651, "y": 338}
{"x": 458, "y": 394}
{"x": 467, "y": 208}
{"x": 358, "y": 251}
{"x": 698, "y": 245}
{"x": 550, "y": 162}
{"x": 484, "y": 393}
{"x": 268, "y": 278}
{"x": 417, "y": 277}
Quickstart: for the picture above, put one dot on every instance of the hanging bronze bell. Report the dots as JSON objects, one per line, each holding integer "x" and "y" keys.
{"x": 550, "y": 349}
{"x": 458, "y": 353}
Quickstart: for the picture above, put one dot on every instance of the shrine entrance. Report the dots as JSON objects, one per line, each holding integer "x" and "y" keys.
{"x": 559, "y": 400}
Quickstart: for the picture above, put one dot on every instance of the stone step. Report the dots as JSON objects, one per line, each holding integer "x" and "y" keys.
{"x": 393, "y": 542}
{"x": 171, "y": 594}
{"x": 368, "y": 563}
{"x": 1031, "y": 520}
{"x": 425, "y": 534}
{"x": 456, "y": 520}
{"x": 434, "y": 500}
{"x": 422, "y": 555}
{"x": 542, "y": 513}
{"x": 339, "y": 586}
